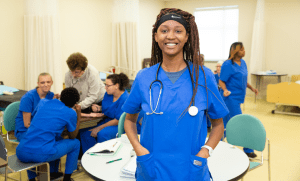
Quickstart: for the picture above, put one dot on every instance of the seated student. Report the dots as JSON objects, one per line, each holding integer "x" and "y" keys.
{"x": 112, "y": 103}
{"x": 40, "y": 144}
{"x": 85, "y": 78}
{"x": 29, "y": 102}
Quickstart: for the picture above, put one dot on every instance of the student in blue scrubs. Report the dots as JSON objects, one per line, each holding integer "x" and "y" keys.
{"x": 40, "y": 144}
{"x": 172, "y": 142}
{"x": 29, "y": 102}
{"x": 233, "y": 82}
{"x": 112, "y": 103}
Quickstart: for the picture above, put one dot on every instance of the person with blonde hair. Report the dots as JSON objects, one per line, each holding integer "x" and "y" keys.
{"x": 30, "y": 100}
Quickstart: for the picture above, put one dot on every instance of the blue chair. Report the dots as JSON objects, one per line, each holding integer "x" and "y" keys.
{"x": 9, "y": 119}
{"x": 247, "y": 131}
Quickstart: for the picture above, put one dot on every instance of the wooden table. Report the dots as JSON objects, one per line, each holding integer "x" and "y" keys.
{"x": 87, "y": 122}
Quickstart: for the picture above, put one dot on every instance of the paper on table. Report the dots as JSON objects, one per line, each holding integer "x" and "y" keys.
{"x": 106, "y": 148}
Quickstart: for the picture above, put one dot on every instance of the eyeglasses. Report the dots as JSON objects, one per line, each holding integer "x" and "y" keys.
{"x": 108, "y": 85}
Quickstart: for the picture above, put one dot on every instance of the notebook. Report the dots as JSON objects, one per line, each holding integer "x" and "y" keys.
{"x": 128, "y": 171}
{"x": 107, "y": 148}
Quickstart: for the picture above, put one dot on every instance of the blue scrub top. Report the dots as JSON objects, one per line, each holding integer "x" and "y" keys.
{"x": 50, "y": 120}
{"x": 28, "y": 104}
{"x": 113, "y": 110}
{"x": 235, "y": 78}
{"x": 173, "y": 142}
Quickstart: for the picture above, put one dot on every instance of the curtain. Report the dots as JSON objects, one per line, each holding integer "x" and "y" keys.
{"x": 42, "y": 51}
{"x": 257, "y": 57}
{"x": 125, "y": 48}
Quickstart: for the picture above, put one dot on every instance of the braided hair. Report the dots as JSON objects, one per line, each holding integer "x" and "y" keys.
{"x": 191, "y": 50}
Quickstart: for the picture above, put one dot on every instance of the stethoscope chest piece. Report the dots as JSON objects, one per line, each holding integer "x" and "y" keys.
{"x": 193, "y": 110}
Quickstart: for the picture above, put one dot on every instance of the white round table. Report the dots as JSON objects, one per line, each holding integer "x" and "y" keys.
{"x": 226, "y": 163}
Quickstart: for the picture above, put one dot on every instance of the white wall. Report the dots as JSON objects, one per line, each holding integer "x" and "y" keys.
{"x": 11, "y": 43}
{"x": 283, "y": 38}
{"x": 86, "y": 27}
{"x": 149, "y": 9}
{"x": 247, "y": 12}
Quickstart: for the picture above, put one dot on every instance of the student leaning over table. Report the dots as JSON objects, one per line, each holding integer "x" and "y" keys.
{"x": 29, "y": 102}
{"x": 40, "y": 144}
{"x": 112, "y": 102}
{"x": 85, "y": 78}
{"x": 175, "y": 93}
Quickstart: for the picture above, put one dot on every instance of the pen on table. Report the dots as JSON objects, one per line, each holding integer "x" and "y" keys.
{"x": 114, "y": 160}
{"x": 93, "y": 154}
{"x": 115, "y": 144}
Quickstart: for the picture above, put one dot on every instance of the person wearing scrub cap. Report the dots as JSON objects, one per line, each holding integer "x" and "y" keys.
{"x": 233, "y": 83}
{"x": 175, "y": 94}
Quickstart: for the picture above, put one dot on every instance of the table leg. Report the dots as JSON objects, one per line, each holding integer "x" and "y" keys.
{"x": 43, "y": 175}
{"x": 279, "y": 78}
{"x": 6, "y": 173}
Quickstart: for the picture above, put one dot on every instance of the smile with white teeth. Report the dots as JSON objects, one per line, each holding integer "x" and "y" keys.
{"x": 171, "y": 44}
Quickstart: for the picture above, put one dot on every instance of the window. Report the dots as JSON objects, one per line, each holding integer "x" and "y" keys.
{"x": 218, "y": 29}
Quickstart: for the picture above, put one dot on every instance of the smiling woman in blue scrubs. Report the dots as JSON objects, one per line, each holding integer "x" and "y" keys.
{"x": 172, "y": 145}
{"x": 233, "y": 83}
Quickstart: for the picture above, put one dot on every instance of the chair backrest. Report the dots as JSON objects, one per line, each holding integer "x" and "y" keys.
{"x": 10, "y": 115}
{"x": 121, "y": 124}
{"x": 246, "y": 131}
{"x": 3, "y": 151}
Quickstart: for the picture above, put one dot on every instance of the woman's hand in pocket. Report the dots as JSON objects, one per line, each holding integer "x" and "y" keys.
{"x": 141, "y": 151}
{"x": 203, "y": 153}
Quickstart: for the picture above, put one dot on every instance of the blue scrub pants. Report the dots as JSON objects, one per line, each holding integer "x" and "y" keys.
{"x": 69, "y": 147}
{"x": 87, "y": 141}
{"x": 234, "y": 108}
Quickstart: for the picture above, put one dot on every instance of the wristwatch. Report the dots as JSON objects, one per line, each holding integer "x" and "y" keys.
{"x": 210, "y": 150}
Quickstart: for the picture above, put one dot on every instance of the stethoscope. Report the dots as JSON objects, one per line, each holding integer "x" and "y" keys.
{"x": 193, "y": 110}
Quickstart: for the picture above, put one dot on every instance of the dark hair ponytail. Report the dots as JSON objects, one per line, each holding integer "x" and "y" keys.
{"x": 120, "y": 79}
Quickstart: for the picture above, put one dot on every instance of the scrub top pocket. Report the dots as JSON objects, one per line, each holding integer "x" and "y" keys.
{"x": 145, "y": 168}
{"x": 198, "y": 169}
